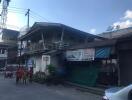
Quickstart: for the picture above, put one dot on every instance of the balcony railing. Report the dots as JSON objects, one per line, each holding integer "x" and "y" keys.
{"x": 39, "y": 46}
{"x": 3, "y": 55}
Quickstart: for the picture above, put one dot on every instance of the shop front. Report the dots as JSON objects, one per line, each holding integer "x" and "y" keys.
{"x": 92, "y": 66}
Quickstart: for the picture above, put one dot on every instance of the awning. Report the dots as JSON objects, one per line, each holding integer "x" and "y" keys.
{"x": 102, "y": 52}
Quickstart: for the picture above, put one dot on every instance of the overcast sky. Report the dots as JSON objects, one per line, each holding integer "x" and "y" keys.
{"x": 92, "y": 16}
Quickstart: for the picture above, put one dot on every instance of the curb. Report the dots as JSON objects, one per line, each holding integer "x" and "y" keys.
{"x": 93, "y": 90}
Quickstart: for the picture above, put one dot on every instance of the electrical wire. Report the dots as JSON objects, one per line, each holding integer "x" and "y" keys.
{"x": 36, "y": 15}
{"x": 35, "y": 18}
{"x": 39, "y": 15}
{"x": 14, "y": 11}
{"x": 17, "y": 8}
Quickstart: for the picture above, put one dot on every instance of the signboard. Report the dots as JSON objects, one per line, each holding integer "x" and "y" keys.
{"x": 88, "y": 54}
{"x": 74, "y": 55}
{"x": 30, "y": 63}
{"x": 80, "y": 55}
{"x": 45, "y": 61}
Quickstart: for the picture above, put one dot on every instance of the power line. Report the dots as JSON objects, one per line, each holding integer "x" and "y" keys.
{"x": 16, "y": 12}
{"x": 29, "y": 13}
{"x": 36, "y": 14}
{"x": 35, "y": 18}
{"x": 39, "y": 18}
{"x": 32, "y": 12}
{"x": 18, "y": 8}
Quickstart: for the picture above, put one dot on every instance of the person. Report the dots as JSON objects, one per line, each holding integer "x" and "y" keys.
{"x": 17, "y": 76}
{"x": 31, "y": 75}
{"x": 24, "y": 76}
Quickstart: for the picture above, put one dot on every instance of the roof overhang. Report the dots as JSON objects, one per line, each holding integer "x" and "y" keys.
{"x": 39, "y": 26}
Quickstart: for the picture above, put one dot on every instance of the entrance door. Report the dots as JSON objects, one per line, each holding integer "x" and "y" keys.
{"x": 45, "y": 62}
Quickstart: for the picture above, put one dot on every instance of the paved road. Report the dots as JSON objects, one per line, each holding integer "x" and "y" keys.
{"x": 10, "y": 91}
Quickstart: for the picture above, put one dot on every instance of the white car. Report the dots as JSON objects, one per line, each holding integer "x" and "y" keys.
{"x": 118, "y": 93}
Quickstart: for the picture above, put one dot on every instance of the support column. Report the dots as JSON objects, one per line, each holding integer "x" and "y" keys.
{"x": 6, "y": 59}
{"x": 119, "y": 74}
{"x": 20, "y": 52}
{"x": 43, "y": 41}
{"x": 62, "y": 37}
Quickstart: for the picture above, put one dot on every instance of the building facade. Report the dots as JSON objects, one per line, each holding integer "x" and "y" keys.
{"x": 45, "y": 43}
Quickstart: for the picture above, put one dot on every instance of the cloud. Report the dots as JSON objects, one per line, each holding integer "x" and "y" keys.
{"x": 93, "y": 31}
{"x": 122, "y": 24}
{"x": 128, "y": 14}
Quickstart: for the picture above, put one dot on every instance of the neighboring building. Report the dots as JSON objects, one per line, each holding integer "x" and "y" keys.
{"x": 45, "y": 43}
{"x": 8, "y": 46}
{"x": 116, "y": 33}
{"x": 114, "y": 64}
{"x": 124, "y": 49}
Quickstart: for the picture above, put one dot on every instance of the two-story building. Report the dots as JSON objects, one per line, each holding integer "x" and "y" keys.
{"x": 45, "y": 43}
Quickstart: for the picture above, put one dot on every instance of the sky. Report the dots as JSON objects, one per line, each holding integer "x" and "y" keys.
{"x": 93, "y": 16}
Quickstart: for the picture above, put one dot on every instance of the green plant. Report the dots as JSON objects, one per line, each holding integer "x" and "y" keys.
{"x": 39, "y": 77}
{"x": 51, "y": 69}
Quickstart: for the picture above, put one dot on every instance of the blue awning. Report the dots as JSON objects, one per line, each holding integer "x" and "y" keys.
{"x": 102, "y": 52}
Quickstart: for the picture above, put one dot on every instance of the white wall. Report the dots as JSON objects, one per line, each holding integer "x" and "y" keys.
{"x": 40, "y": 63}
{"x": 45, "y": 62}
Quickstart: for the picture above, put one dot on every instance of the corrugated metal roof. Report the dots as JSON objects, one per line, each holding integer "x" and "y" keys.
{"x": 10, "y": 34}
{"x": 41, "y": 25}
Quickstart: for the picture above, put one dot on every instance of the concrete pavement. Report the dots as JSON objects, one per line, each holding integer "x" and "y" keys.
{"x": 10, "y": 91}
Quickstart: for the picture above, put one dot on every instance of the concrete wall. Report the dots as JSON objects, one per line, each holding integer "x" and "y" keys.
{"x": 40, "y": 64}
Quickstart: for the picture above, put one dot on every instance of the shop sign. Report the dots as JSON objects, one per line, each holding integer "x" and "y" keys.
{"x": 88, "y": 54}
{"x": 80, "y": 55}
{"x": 74, "y": 55}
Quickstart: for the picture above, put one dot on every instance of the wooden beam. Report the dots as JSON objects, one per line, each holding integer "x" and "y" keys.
{"x": 62, "y": 36}
{"x": 43, "y": 40}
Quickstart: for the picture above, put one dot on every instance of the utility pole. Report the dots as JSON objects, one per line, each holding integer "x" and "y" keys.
{"x": 28, "y": 16}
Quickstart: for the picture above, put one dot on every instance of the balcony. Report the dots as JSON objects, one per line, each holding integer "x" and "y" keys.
{"x": 39, "y": 47}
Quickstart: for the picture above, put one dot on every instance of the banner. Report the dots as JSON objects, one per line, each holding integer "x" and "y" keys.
{"x": 88, "y": 54}
{"x": 74, "y": 55}
{"x": 80, "y": 55}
